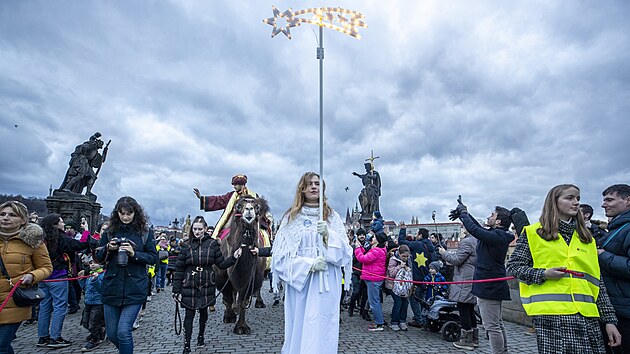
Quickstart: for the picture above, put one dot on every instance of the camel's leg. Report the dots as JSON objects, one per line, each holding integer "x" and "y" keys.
{"x": 228, "y": 299}
{"x": 259, "y": 301}
{"x": 242, "y": 327}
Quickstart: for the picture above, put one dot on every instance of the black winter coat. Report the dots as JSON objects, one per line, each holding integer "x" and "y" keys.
{"x": 126, "y": 285}
{"x": 423, "y": 246}
{"x": 614, "y": 263}
{"x": 63, "y": 256}
{"x": 194, "y": 278}
{"x": 491, "y": 253}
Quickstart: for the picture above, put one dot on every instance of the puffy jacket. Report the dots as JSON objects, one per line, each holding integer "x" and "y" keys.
{"x": 464, "y": 260}
{"x": 126, "y": 285}
{"x": 492, "y": 247}
{"x": 373, "y": 263}
{"x": 395, "y": 264}
{"x": 92, "y": 287}
{"x": 614, "y": 264}
{"x": 194, "y": 278}
{"x": 24, "y": 253}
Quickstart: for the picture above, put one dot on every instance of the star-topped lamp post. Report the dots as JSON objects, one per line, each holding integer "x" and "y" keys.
{"x": 336, "y": 18}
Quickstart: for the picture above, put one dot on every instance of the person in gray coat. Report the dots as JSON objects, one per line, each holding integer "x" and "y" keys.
{"x": 464, "y": 259}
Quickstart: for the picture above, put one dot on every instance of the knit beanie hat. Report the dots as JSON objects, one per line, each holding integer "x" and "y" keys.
{"x": 435, "y": 265}
{"x": 381, "y": 237}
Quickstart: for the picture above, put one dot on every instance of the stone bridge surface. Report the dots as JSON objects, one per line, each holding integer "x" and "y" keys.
{"x": 156, "y": 334}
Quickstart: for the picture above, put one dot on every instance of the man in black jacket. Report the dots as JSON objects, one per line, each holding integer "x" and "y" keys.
{"x": 491, "y": 253}
{"x": 614, "y": 256}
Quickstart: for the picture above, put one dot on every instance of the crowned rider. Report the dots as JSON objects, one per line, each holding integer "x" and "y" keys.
{"x": 226, "y": 203}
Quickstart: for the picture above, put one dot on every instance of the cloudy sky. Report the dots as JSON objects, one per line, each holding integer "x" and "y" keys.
{"x": 497, "y": 101}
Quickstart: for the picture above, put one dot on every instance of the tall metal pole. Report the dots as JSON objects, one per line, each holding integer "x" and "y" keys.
{"x": 320, "y": 56}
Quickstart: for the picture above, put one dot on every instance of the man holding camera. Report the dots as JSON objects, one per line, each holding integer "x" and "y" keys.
{"x": 492, "y": 247}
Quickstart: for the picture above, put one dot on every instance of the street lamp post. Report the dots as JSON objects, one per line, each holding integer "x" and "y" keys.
{"x": 342, "y": 20}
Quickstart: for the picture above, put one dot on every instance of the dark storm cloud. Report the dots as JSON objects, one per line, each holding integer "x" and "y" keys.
{"x": 496, "y": 101}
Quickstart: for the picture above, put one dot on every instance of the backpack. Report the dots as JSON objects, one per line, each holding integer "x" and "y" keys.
{"x": 403, "y": 288}
{"x": 162, "y": 254}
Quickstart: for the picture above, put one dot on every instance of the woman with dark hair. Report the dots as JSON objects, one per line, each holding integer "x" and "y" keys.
{"x": 127, "y": 247}
{"x": 555, "y": 261}
{"x": 53, "y": 309}
{"x": 193, "y": 282}
{"x": 25, "y": 258}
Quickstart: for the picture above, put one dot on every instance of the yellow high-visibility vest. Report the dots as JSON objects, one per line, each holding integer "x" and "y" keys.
{"x": 570, "y": 294}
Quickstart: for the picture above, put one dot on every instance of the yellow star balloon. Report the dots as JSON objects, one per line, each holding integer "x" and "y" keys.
{"x": 421, "y": 260}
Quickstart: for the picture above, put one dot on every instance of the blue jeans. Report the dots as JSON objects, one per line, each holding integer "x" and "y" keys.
{"x": 52, "y": 310}
{"x": 118, "y": 324}
{"x": 374, "y": 298}
{"x": 7, "y": 331}
{"x": 414, "y": 301}
{"x": 161, "y": 275}
{"x": 399, "y": 310}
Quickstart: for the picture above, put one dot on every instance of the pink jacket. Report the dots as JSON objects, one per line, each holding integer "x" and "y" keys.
{"x": 373, "y": 263}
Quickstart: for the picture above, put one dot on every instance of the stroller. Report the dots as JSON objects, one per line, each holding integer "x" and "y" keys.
{"x": 443, "y": 317}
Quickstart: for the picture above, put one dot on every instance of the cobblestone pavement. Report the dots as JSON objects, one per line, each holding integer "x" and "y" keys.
{"x": 156, "y": 334}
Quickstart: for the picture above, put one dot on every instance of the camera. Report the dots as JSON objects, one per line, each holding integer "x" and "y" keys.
{"x": 122, "y": 258}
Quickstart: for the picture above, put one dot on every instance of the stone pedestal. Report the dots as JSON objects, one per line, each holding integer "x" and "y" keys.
{"x": 365, "y": 222}
{"x": 72, "y": 207}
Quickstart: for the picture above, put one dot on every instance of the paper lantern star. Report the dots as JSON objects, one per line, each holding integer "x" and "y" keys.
{"x": 288, "y": 16}
{"x": 421, "y": 260}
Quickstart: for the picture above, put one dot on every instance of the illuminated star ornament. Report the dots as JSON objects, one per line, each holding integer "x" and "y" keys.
{"x": 342, "y": 20}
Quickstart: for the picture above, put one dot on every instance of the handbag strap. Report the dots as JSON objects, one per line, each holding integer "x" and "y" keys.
{"x": 4, "y": 271}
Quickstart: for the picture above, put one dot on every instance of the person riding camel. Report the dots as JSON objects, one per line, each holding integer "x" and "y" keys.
{"x": 226, "y": 203}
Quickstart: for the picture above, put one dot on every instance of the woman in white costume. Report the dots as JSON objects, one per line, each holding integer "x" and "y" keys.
{"x": 308, "y": 255}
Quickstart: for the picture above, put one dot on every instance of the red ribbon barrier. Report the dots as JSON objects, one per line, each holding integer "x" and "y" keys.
{"x": 439, "y": 282}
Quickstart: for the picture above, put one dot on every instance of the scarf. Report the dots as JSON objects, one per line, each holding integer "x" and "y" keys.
{"x": 566, "y": 230}
{"x": 6, "y": 235}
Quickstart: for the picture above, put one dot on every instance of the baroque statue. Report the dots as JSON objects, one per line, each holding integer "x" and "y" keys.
{"x": 371, "y": 192}
{"x": 85, "y": 158}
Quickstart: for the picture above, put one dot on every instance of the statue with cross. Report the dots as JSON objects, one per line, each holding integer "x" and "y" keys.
{"x": 371, "y": 192}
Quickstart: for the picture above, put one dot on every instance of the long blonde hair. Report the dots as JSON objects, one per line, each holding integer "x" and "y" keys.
{"x": 298, "y": 201}
{"x": 550, "y": 218}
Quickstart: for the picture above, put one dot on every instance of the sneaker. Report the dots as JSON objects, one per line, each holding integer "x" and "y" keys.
{"x": 394, "y": 327}
{"x": 135, "y": 325}
{"x": 275, "y": 303}
{"x": 403, "y": 326}
{"x": 200, "y": 342}
{"x": 142, "y": 312}
{"x": 212, "y": 308}
{"x": 58, "y": 343}
{"x": 375, "y": 328}
{"x": 29, "y": 321}
{"x": 89, "y": 346}
{"x": 157, "y": 290}
{"x": 42, "y": 341}
{"x": 149, "y": 298}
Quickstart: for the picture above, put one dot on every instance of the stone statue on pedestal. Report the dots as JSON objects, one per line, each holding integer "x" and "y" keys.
{"x": 85, "y": 158}
{"x": 371, "y": 192}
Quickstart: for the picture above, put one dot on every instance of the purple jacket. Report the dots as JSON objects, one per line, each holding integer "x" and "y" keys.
{"x": 373, "y": 261}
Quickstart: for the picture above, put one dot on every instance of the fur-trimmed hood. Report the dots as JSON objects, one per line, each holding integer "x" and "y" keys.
{"x": 32, "y": 235}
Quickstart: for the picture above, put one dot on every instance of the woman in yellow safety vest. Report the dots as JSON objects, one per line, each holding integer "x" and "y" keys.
{"x": 555, "y": 261}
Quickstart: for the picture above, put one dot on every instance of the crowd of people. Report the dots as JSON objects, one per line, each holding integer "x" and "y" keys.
{"x": 572, "y": 271}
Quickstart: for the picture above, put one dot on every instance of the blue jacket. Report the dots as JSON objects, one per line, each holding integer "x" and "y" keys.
{"x": 92, "y": 287}
{"x": 614, "y": 263}
{"x": 431, "y": 291}
{"x": 377, "y": 225}
{"x": 491, "y": 253}
{"x": 423, "y": 246}
{"x": 126, "y": 285}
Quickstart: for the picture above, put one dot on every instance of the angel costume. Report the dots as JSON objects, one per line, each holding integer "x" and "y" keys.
{"x": 311, "y": 307}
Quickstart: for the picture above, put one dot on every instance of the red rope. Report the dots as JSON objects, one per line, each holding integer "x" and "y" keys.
{"x": 438, "y": 282}
{"x": 4, "y": 303}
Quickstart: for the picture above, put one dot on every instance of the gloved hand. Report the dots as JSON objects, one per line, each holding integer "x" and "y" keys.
{"x": 319, "y": 265}
{"x": 461, "y": 208}
{"x": 453, "y": 215}
{"x": 322, "y": 229}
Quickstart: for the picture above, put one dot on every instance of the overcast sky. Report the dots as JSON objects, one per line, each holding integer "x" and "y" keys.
{"x": 497, "y": 101}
